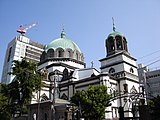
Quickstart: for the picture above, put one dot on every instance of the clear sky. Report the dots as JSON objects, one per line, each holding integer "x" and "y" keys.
{"x": 87, "y": 23}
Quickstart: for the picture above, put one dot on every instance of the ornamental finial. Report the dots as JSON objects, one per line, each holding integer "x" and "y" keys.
{"x": 63, "y": 34}
{"x": 114, "y": 27}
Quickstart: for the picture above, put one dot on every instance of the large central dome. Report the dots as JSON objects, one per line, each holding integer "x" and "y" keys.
{"x": 63, "y": 43}
{"x": 62, "y": 48}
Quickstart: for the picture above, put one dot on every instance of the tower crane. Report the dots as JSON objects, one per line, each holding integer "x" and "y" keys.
{"x": 22, "y": 30}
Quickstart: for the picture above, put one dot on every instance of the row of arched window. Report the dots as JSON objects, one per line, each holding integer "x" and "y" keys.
{"x": 59, "y": 52}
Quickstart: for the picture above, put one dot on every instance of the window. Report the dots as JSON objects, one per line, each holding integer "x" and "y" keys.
{"x": 111, "y": 70}
{"x": 60, "y": 53}
{"x": 69, "y": 53}
{"x": 111, "y": 44}
{"x": 50, "y": 53}
{"x": 118, "y": 42}
{"x": 125, "y": 44}
{"x": 131, "y": 70}
{"x": 77, "y": 56}
{"x": 43, "y": 56}
{"x": 125, "y": 88}
{"x": 9, "y": 54}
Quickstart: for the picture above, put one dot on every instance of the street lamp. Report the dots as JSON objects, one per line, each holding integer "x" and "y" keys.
{"x": 53, "y": 87}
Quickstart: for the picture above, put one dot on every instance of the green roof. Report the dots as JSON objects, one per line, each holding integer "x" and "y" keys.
{"x": 63, "y": 43}
{"x": 114, "y": 34}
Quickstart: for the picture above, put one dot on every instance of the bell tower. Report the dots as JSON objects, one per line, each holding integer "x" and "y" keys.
{"x": 118, "y": 59}
{"x": 122, "y": 67}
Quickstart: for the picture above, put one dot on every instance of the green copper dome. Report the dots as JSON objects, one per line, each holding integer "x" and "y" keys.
{"x": 114, "y": 34}
{"x": 63, "y": 43}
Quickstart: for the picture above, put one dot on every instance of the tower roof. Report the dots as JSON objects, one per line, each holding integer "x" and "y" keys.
{"x": 114, "y": 33}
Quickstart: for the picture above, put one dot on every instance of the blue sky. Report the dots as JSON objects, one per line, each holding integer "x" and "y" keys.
{"x": 87, "y": 23}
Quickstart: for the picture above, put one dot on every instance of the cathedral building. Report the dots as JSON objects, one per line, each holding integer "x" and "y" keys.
{"x": 63, "y": 63}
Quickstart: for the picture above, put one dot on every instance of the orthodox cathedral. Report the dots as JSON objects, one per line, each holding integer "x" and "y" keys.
{"x": 62, "y": 63}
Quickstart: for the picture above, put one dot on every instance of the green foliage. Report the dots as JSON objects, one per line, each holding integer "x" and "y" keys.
{"x": 5, "y": 113}
{"x": 19, "y": 91}
{"x": 154, "y": 106}
{"x": 92, "y": 102}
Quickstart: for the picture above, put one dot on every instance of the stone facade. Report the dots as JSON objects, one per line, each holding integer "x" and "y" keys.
{"x": 67, "y": 74}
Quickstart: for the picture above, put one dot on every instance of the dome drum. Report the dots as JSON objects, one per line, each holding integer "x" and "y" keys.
{"x": 116, "y": 42}
{"x": 61, "y": 53}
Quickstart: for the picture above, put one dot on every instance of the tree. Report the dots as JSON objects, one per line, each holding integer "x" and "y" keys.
{"x": 154, "y": 107}
{"x": 92, "y": 102}
{"x": 5, "y": 113}
{"x": 27, "y": 80}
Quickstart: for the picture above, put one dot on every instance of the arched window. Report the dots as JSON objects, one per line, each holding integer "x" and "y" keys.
{"x": 77, "y": 56}
{"x": 118, "y": 42}
{"x": 82, "y": 58}
{"x": 65, "y": 74}
{"x": 125, "y": 44}
{"x": 111, "y": 70}
{"x": 131, "y": 70}
{"x": 111, "y": 44}
{"x": 43, "y": 56}
{"x": 60, "y": 52}
{"x": 69, "y": 53}
{"x": 125, "y": 88}
{"x": 50, "y": 53}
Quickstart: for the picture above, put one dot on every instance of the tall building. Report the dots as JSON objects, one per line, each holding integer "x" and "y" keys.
{"x": 63, "y": 64}
{"x": 150, "y": 80}
{"x": 20, "y": 47}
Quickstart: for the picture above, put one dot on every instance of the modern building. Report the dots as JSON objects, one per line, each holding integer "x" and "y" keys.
{"x": 20, "y": 47}
{"x": 150, "y": 80}
{"x": 63, "y": 64}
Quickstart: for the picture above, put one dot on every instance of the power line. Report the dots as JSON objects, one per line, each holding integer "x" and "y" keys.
{"x": 148, "y": 55}
{"x": 153, "y": 62}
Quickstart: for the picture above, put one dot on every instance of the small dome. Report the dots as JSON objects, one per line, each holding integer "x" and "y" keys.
{"x": 114, "y": 34}
{"x": 63, "y": 43}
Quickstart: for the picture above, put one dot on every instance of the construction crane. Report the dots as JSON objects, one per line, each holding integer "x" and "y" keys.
{"x": 22, "y": 30}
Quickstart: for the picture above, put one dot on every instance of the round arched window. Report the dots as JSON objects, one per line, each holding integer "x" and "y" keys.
{"x": 131, "y": 70}
{"x": 50, "y": 53}
{"x": 111, "y": 70}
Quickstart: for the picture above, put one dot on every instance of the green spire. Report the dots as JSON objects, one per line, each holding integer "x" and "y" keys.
{"x": 114, "y": 27}
{"x": 63, "y": 34}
